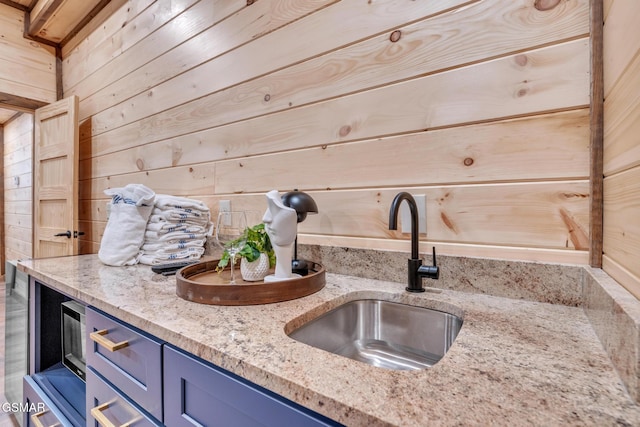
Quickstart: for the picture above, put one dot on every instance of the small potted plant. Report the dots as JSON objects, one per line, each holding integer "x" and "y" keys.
{"x": 257, "y": 255}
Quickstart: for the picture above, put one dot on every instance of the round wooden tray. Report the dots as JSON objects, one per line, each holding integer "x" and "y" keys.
{"x": 202, "y": 284}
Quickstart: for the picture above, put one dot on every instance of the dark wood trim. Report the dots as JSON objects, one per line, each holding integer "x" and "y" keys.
{"x": 14, "y": 102}
{"x": 15, "y": 5}
{"x": 28, "y": 36}
{"x": 597, "y": 135}
{"x": 59, "y": 87}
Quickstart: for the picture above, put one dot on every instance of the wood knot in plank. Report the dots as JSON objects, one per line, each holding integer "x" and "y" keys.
{"x": 267, "y": 98}
{"x": 521, "y": 60}
{"x": 140, "y": 164}
{"x": 395, "y": 36}
{"x": 468, "y": 161}
{"x": 544, "y": 5}
{"x": 345, "y": 130}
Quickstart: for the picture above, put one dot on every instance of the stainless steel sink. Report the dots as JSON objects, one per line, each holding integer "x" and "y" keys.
{"x": 383, "y": 333}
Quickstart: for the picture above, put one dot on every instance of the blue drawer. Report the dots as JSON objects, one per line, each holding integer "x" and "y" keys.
{"x": 41, "y": 409}
{"x": 133, "y": 364}
{"x": 106, "y": 406}
{"x": 200, "y": 394}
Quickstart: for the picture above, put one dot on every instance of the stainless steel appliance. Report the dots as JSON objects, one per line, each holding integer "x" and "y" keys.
{"x": 73, "y": 338}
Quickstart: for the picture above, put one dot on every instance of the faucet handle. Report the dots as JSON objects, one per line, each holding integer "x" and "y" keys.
{"x": 430, "y": 271}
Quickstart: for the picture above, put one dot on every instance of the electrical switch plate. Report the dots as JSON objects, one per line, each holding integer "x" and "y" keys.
{"x": 405, "y": 214}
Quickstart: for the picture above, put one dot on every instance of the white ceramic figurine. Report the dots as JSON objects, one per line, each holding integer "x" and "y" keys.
{"x": 281, "y": 224}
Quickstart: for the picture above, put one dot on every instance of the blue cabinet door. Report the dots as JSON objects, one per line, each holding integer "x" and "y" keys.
{"x": 136, "y": 368}
{"x": 107, "y": 406}
{"x": 40, "y": 409}
{"x": 199, "y": 394}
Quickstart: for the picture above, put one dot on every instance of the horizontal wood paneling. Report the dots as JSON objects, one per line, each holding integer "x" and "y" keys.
{"x": 421, "y": 49}
{"x": 195, "y": 37}
{"x": 532, "y": 148}
{"x": 27, "y": 68}
{"x": 621, "y": 40}
{"x": 622, "y": 122}
{"x": 539, "y": 85}
{"x": 621, "y": 241}
{"x": 96, "y": 24}
{"x": 127, "y": 28}
{"x": 18, "y": 217}
{"x": 480, "y": 105}
{"x": 622, "y": 224}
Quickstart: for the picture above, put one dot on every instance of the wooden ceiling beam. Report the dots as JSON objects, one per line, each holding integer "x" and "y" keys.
{"x": 41, "y": 14}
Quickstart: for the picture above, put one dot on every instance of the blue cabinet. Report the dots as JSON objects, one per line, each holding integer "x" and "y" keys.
{"x": 108, "y": 406}
{"x": 49, "y": 382}
{"x": 40, "y": 409}
{"x": 133, "y": 378}
{"x": 200, "y": 394}
{"x": 128, "y": 358}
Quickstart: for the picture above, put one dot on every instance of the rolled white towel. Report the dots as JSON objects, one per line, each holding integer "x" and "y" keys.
{"x": 123, "y": 236}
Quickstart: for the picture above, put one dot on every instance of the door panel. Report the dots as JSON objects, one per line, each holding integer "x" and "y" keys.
{"x": 55, "y": 179}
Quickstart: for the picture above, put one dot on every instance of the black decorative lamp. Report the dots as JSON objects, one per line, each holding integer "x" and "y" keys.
{"x": 303, "y": 205}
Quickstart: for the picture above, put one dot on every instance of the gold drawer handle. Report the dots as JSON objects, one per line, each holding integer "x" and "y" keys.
{"x": 103, "y": 420}
{"x": 35, "y": 419}
{"x": 99, "y": 338}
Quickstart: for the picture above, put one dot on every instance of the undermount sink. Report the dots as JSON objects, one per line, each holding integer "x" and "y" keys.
{"x": 383, "y": 333}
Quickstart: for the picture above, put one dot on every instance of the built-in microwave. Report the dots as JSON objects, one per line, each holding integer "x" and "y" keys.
{"x": 73, "y": 338}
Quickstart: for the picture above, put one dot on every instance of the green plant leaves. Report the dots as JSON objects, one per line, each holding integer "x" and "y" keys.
{"x": 257, "y": 242}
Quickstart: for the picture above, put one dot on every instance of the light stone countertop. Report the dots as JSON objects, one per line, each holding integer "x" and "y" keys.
{"x": 513, "y": 363}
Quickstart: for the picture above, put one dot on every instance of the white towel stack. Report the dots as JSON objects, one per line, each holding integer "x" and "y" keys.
{"x": 177, "y": 230}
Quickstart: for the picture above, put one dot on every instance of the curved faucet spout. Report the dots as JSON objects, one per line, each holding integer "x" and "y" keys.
{"x": 393, "y": 218}
{"x": 415, "y": 270}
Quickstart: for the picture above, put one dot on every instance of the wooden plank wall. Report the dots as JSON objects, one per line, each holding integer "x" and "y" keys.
{"x": 622, "y": 143}
{"x": 483, "y": 106}
{"x": 27, "y": 68}
{"x": 18, "y": 157}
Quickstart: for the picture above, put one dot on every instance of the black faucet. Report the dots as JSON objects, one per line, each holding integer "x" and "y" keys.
{"x": 416, "y": 271}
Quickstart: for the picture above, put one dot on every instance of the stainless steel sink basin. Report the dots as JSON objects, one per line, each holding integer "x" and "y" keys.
{"x": 383, "y": 333}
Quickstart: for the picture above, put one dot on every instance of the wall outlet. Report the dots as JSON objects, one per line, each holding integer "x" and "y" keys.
{"x": 405, "y": 214}
{"x": 224, "y": 205}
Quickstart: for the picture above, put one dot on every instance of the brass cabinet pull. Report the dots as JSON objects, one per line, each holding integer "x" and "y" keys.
{"x": 35, "y": 419}
{"x": 103, "y": 420}
{"x": 100, "y": 417}
{"x": 100, "y": 338}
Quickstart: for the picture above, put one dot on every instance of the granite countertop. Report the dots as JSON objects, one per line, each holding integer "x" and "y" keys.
{"x": 514, "y": 362}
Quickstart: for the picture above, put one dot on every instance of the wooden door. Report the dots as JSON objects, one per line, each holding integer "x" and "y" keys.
{"x": 55, "y": 179}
